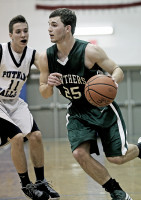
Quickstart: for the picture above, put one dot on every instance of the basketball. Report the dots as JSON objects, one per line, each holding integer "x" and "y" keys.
{"x": 100, "y": 90}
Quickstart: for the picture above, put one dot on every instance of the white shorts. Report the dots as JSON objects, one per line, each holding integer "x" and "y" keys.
{"x": 17, "y": 112}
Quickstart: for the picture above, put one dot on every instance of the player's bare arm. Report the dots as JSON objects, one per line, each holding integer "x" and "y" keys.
{"x": 94, "y": 54}
{"x": 47, "y": 80}
{"x": 44, "y": 89}
{"x": 36, "y": 60}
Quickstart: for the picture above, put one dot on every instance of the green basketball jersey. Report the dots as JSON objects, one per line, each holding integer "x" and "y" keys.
{"x": 74, "y": 76}
{"x": 74, "y": 72}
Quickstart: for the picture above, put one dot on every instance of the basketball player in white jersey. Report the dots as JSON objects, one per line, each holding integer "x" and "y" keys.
{"x": 16, "y": 121}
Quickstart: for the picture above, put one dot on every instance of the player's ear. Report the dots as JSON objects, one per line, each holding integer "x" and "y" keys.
{"x": 68, "y": 28}
{"x": 10, "y": 35}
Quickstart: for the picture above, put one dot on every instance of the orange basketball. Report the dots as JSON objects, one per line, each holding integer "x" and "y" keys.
{"x": 100, "y": 90}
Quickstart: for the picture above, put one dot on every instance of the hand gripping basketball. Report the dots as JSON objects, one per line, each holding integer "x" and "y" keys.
{"x": 100, "y": 90}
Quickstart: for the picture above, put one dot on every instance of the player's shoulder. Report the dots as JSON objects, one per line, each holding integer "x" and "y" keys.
{"x": 80, "y": 43}
{"x": 42, "y": 55}
{"x": 93, "y": 47}
{"x": 30, "y": 52}
{"x": 54, "y": 46}
{"x": 3, "y": 49}
{"x": 3, "y": 45}
{"x": 31, "y": 48}
{"x": 93, "y": 50}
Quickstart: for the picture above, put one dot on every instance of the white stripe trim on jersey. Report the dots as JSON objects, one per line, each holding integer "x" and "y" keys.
{"x": 67, "y": 116}
{"x": 67, "y": 119}
{"x": 128, "y": 197}
{"x": 121, "y": 131}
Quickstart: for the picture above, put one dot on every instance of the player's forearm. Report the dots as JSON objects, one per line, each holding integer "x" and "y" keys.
{"x": 46, "y": 90}
{"x": 118, "y": 74}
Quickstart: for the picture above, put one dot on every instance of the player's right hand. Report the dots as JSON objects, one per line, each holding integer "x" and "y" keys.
{"x": 55, "y": 79}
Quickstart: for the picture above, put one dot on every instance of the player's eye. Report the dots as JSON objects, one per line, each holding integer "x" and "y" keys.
{"x": 18, "y": 31}
{"x": 26, "y": 30}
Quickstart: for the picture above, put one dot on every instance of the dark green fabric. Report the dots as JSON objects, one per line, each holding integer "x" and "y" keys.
{"x": 75, "y": 74}
{"x": 85, "y": 121}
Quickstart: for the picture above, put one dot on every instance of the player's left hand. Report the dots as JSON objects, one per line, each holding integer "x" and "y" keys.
{"x": 113, "y": 80}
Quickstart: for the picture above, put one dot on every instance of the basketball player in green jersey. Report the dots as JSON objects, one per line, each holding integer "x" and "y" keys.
{"x": 68, "y": 64}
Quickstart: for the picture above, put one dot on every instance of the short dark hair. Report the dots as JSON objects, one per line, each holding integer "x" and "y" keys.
{"x": 17, "y": 19}
{"x": 67, "y": 17}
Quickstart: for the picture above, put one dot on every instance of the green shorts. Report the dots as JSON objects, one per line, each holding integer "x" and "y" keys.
{"x": 82, "y": 127}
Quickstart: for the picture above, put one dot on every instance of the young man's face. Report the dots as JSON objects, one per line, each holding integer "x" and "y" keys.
{"x": 20, "y": 35}
{"x": 57, "y": 30}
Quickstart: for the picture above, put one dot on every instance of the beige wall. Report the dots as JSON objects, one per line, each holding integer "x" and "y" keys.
{"x": 124, "y": 46}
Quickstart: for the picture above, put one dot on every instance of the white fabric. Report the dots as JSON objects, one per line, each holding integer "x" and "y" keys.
{"x": 17, "y": 112}
{"x": 121, "y": 131}
{"x": 12, "y": 78}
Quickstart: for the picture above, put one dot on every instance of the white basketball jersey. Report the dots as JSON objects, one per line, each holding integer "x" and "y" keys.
{"x": 14, "y": 72}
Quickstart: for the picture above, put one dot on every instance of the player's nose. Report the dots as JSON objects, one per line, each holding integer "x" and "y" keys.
{"x": 23, "y": 34}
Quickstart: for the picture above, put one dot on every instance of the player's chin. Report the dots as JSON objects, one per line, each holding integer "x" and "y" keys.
{"x": 53, "y": 40}
{"x": 23, "y": 45}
